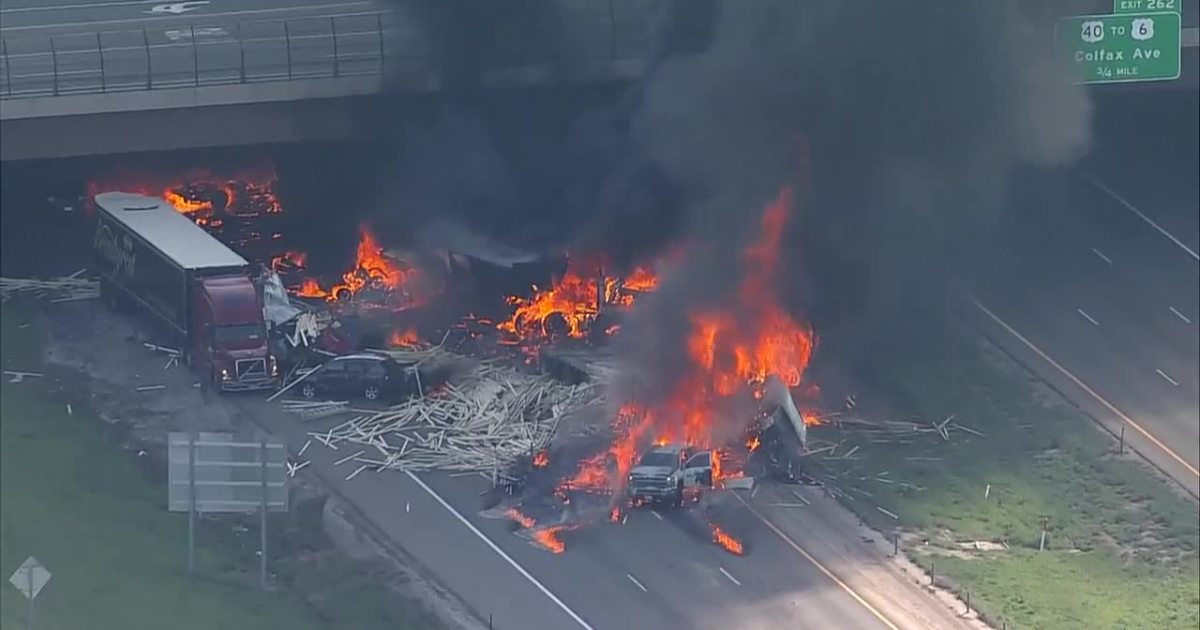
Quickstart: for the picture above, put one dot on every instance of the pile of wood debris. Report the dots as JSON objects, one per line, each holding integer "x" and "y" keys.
{"x": 479, "y": 417}
{"x": 65, "y": 289}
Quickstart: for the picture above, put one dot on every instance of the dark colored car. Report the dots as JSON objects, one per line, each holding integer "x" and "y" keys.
{"x": 370, "y": 376}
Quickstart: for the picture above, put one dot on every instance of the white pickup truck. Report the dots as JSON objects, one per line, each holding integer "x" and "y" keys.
{"x": 665, "y": 472}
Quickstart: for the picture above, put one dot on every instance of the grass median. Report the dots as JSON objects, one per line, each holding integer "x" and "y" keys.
{"x": 1121, "y": 545}
{"x": 98, "y": 522}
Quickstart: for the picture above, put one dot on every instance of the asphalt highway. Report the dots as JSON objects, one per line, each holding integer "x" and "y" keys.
{"x": 1097, "y": 285}
{"x": 657, "y": 569}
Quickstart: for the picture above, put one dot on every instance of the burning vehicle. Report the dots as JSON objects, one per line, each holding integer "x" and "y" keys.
{"x": 666, "y": 472}
{"x": 724, "y": 420}
{"x": 730, "y": 405}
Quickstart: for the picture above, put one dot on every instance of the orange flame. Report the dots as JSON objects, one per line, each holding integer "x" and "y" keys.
{"x": 726, "y": 541}
{"x": 197, "y": 191}
{"x": 541, "y": 459}
{"x": 311, "y": 289}
{"x": 575, "y": 297}
{"x": 753, "y": 443}
{"x": 733, "y": 350}
{"x": 405, "y": 339}
{"x": 185, "y": 205}
{"x": 289, "y": 260}
{"x": 371, "y": 269}
{"x": 623, "y": 291}
{"x": 550, "y": 538}
{"x": 629, "y": 427}
{"x": 520, "y": 518}
{"x": 370, "y": 266}
{"x": 640, "y": 279}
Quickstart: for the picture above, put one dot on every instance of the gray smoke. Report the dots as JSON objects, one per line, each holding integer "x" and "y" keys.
{"x": 913, "y": 115}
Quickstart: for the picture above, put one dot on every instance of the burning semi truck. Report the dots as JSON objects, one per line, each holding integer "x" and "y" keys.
{"x": 199, "y": 293}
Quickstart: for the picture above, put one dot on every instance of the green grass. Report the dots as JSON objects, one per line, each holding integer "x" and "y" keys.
{"x": 1122, "y": 545}
{"x": 73, "y": 499}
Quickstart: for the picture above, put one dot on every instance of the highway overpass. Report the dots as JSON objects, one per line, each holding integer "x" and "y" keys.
{"x": 139, "y": 75}
{"x": 134, "y": 75}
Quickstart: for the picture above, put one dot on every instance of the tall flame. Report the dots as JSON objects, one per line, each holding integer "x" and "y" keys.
{"x": 371, "y": 268}
{"x": 577, "y": 298}
{"x": 733, "y": 350}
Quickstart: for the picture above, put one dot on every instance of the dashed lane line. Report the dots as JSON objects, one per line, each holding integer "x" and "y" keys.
{"x": 820, "y": 567}
{"x": 1091, "y": 392}
{"x": 1161, "y": 230}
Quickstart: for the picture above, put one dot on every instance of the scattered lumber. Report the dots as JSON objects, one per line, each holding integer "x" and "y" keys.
{"x": 65, "y": 289}
{"x": 480, "y": 418}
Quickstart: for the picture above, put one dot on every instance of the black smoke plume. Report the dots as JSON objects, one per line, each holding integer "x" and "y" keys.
{"x": 913, "y": 115}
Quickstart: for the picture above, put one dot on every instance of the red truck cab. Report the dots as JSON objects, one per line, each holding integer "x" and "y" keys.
{"x": 230, "y": 344}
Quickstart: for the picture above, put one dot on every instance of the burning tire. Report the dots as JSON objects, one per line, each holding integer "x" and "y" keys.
{"x": 556, "y": 325}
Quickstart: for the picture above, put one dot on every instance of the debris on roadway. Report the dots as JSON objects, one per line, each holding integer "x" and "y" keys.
{"x": 481, "y": 417}
{"x": 65, "y": 289}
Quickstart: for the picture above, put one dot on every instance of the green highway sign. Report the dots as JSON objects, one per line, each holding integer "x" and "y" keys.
{"x": 1120, "y": 48}
{"x": 1145, "y": 6}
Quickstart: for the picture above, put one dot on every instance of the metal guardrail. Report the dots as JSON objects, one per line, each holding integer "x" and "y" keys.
{"x": 279, "y": 50}
{"x": 193, "y": 56}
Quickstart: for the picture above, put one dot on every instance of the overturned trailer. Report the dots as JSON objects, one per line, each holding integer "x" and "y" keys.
{"x": 783, "y": 438}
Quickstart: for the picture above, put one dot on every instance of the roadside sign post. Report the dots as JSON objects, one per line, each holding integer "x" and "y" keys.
{"x": 1120, "y": 48}
{"x": 30, "y": 578}
{"x": 262, "y": 519}
{"x": 191, "y": 504}
{"x": 218, "y": 473}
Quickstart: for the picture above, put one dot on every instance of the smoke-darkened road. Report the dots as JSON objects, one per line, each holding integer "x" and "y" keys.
{"x": 1099, "y": 271}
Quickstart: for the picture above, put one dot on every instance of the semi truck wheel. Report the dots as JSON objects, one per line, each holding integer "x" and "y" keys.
{"x": 371, "y": 392}
{"x": 308, "y": 391}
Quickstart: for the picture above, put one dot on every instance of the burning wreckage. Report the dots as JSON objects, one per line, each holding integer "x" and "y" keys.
{"x": 528, "y": 420}
{"x": 531, "y": 425}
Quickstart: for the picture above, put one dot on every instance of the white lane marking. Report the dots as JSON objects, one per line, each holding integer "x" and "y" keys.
{"x": 207, "y": 16}
{"x": 209, "y": 31}
{"x": 1091, "y": 392}
{"x": 1180, "y": 315}
{"x": 636, "y": 582}
{"x": 1102, "y": 256}
{"x": 1098, "y": 184}
{"x": 731, "y": 578}
{"x": 177, "y": 8}
{"x": 820, "y": 567}
{"x": 1087, "y": 317}
{"x": 500, "y": 552}
{"x": 1169, "y": 379}
{"x": 656, "y": 514}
